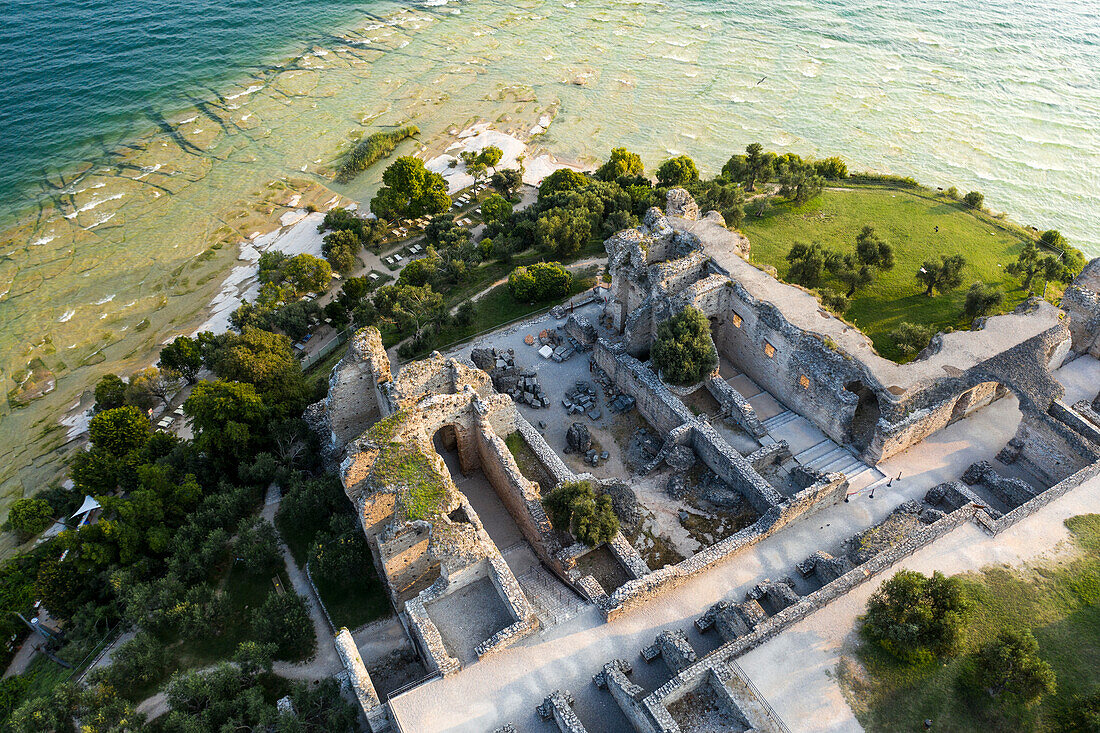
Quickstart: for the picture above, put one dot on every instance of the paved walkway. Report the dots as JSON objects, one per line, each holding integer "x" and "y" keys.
{"x": 807, "y": 696}
{"x": 506, "y": 687}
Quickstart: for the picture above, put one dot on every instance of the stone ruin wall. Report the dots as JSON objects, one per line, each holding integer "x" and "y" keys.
{"x": 1081, "y": 302}
{"x": 652, "y": 397}
{"x": 822, "y": 399}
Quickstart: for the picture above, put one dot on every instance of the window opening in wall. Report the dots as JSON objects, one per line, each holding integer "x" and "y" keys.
{"x": 737, "y": 320}
{"x": 804, "y": 381}
{"x": 769, "y": 350}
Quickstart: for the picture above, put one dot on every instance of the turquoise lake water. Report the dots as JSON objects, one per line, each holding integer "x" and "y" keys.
{"x": 140, "y": 139}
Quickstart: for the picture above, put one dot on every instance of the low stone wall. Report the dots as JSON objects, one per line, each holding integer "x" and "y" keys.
{"x": 735, "y": 406}
{"x": 731, "y": 467}
{"x": 768, "y": 454}
{"x": 922, "y": 537}
{"x": 427, "y": 634}
{"x": 558, "y": 705}
{"x": 1066, "y": 414}
{"x": 518, "y": 606}
{"x": 360, "y": 682}
{"x": 663, "y": 410}
{"x": 995, "y": 526}
{"x": 550, "y": 461}
{"x": 628, "y": 556}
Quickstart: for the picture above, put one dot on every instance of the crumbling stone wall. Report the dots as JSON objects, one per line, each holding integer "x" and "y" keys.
{"x": 360, "y": 393}
{"x": 825, "y": 370}
{"x": 1048, "y": 448}
{"x": 558, "y": 706}
{"x": 1081, "y": 302}
{"x": 800, "y": 370}
{"x": 361, "y": 685}
{"x": 733, "y": 468}
{"x": 735, "y": 406}
{"x": 653, "y": 399}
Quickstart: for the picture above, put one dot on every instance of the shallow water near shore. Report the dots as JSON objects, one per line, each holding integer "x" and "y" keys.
{"x": 129, "y": 191}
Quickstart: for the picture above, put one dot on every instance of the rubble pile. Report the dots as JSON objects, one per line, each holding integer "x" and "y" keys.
{"x": 558, "y": 345}
{"x": 617, "y": 401}
{"x": 582, "y": 399}
{"x": 519, "y": 384}
{"x": 579, "y": 440}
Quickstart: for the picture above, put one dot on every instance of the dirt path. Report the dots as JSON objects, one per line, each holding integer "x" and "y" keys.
{"x": 325, "y": 662}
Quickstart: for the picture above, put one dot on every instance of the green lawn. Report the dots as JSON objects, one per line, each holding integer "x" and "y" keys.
{"x": 907, "y": 220}
{"x": 1058, "y": 600}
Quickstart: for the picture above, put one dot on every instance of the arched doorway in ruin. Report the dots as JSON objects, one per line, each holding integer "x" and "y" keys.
{"x": 862, "y": 429}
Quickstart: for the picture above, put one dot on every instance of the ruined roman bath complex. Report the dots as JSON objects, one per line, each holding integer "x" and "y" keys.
{"x": 783, "y": 446}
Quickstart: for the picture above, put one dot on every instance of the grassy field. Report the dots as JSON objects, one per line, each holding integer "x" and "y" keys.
{"x": 907, "y": 220}
{"x": 1059, "y": 600}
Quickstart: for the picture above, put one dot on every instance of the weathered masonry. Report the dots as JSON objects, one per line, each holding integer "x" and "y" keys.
{"x": 823, "y": 368}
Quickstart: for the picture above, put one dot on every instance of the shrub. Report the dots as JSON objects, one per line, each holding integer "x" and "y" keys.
{"x": 257, "y": 547}
{"x": 835, "y": 302}
{"x": 30, "y": 515}
{"x": 953, "y": 193}
{"x": 974, "y": 199}
{"x": 372, "y": 149}
{"x": 982, "y": 300}
{"x": 540, "y": 281}
{"x": 910, "y": 338}
{"x": 590, "y": 518}
{"x": 915, "y": 617}
{"x": 684, "y": 352}
{"x": 678, "y": 171}
{"x": 140, "y": 661}
{"x": 283, "y": 620}
{"x": 831, "y": 168}
{"x": 1011, "y": 666}
{"x": 110, "y": 392}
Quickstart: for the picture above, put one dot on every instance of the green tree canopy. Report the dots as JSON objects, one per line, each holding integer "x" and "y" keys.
{"x": 798, "y": 179}
{"x": 944, "y": 275}
{"x": 809, "y": 263}
{"x": 283, "y": 620}
{"x": 30, "y": 515}
{"x": 755, "y": 166}
{"x": 974, "y": 199}
{"x": 981, "y": 300}
{"x": 507, "y": 181}
{"x": 496, "y": 208}
{"x": 910, "y": 337}
{"x": 408, "y": 306}
{"x": 410, "y": 190}
{"x": 621, "y": 163}
{"x": 563, "y": 231}
{"x": 915, "y": 617}
{"x": 589, "y": 517}
{"x": 678, "y": 171}
{"x": 1010, "y": 666}
{"x": 684, "y": 351}
{"x": 110, "y": 392}
{"x": 227, "y": 417}
{"x": 182, "y": 356}
{"x": 1031, "y": 263}
{"x": 120, "y": 430}
{"x": 563, "y": 179}
{"x": 539, "y": 281}
{"x": 340, "y": 247}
